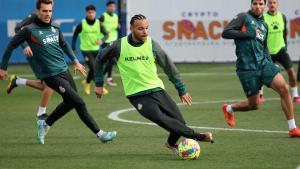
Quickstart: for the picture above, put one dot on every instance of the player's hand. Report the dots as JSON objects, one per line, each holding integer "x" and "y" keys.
{"x": 79, "y": 67}
{"x": 3, "y": 74}
{"x": 99, "y": 42}
{"x": 186, "y": 98}
{"x": 28, "y": 52}
{"x": 99, "y": 92}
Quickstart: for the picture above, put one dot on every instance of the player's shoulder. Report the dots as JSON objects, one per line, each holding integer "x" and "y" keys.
{"x": 32, "y": 16}
{"x": 30, "y": 26}
{"x": 241, "y": 15}
{"x": 55, "y": 25}
{"x": 155, "y": 44}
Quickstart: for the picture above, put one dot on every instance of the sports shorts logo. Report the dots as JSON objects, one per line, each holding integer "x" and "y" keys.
{"x": 140, "y": 106}
{"x": 62, "y": 89}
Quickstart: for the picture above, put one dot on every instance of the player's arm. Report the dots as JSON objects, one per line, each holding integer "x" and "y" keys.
{"x": 101, "y": 18}
{"x": 28, "y": 20}
{"x": 78, "y": 29}
{"x": 104, "y": 55}
{"x": 68, "y": 51}
{"x": 285, "y": 33}
{"x": 19, "y": 38}
{"x": 170, "y": 69}
{"x": 237, "y": 30}
{"x": 66, "y": 47}
{"x": 104, "y": 32}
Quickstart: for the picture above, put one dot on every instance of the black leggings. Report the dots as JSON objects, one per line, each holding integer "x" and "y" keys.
{"x": 159, "y": 108}
{"x": 89, "y": 58}
{"x": 109, "y": 64}
{"x": 64, "y": 84}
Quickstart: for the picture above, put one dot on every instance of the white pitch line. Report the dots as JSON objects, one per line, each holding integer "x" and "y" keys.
{"x": 160, "y": 74}
{"x": 115, "y": 116}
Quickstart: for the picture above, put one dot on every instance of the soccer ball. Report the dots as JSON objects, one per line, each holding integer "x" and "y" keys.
{"x": 188, "y": 149}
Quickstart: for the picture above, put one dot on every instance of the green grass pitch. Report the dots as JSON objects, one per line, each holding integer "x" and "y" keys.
{"x": 71, "y": 145}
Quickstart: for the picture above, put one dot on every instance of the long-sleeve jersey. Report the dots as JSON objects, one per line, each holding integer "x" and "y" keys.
{"x": 161, "y": 58}
{"x": 28, "y": 20}
{"x": 250, "y": 36}
{"x": 47, "y": 44}
{"x": 78, "y": 30}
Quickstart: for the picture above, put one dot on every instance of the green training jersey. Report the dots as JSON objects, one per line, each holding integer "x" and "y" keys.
{"x": 89, "y": 36}
{"x": 250, "y": 36}
{"x": 111, "y": 23}
{"x": 276, "y": 35}
{"x": 47, "y": 44}
{"x": 137, "y": 67}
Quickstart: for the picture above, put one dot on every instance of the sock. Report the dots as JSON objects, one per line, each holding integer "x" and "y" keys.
{"x": 100, "y": 133}
{"x": 294, "y": 91}
{"x": 292, "y": 124}
{"x": 41, "y": 111}
{"x": 21, "y": 82}
{"x": 229, "y": 109}
{"x": 109, "y": 78}
{"x": 261, "y": 91}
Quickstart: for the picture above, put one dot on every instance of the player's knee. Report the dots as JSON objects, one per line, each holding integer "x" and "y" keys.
{"x": 284, "y": 89}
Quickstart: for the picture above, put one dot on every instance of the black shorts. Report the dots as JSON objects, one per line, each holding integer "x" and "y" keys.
{"x": 283, "y": 58}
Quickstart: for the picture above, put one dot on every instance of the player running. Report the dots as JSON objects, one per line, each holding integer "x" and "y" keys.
{"x": 254, "y": 66}
{"x": 16, "y": 81}
{"x": 110, "y": 21}
{"x": 137, "y": 54}
{"x": 277, "y": 44}
{"x": 48, "y": 46}
{"x": 89, "y": 31}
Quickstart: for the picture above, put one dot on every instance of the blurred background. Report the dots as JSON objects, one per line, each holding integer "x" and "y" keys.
{"x": 189, "y": 31}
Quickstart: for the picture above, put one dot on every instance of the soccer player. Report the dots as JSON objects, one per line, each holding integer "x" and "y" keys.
{"x": 48, "y": 45}
{"x": 277, "y": 43}
{"x": 254, "y": 65}
{"x": 16, "y": 81}
{"x": 89, "y": 31}
{"x": 137, "y": 54}
{"x": 110, "y": 22}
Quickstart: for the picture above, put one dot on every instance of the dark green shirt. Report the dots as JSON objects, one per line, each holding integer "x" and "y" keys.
{"x": 161, "y": 58}
{"x": 47, "y": 44}
{"x": 250, "y": 36}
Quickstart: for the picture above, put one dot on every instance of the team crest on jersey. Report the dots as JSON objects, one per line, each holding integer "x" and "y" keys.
{"x": 253, "y": 23}
{"x": 62, "y": 89}
{"x": 140, "y": 106}
{"x": 53, "y": 29}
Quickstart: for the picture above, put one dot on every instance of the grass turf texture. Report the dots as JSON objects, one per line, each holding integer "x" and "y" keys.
{"x": 70, "y": 145}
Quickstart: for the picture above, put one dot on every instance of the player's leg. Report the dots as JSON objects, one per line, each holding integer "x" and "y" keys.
{"x": 284, "y": 59}
{"x": 280, "y": 86}
{"x": 271, "y": 77}
{"x": 90, "y": 60}
{"x": 169, "y": 107}
{"x": 45, "y": 98}
{"x": 16, "y": 81}
{"x": 86, "y": 83}
{"x": 149, "y": 106}
{"x": 65, "y": 86}
{"x": 108, "y": 69}
{"x": 251, "y": 87}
